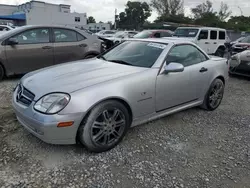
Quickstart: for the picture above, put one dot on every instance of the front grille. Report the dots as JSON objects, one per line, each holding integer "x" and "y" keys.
{"x": 24, "y": 96}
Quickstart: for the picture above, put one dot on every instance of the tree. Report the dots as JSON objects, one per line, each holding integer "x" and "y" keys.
{"x": 91, "y": 19}
{"x": 224, "y": 12}
{"x": 134, "y": 16}
{"x": 166, "y": 8}
{"x": 202, "y": 9}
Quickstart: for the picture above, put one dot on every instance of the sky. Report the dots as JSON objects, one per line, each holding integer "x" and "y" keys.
{"x": 104, "y": 10}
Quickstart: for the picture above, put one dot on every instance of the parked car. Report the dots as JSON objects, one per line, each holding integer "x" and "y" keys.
{"x": 29, "y": 48}
{"x": 240, "y": 64}
{"x": 95, "y": 101}
{"x": 153, "y": 34}
{"x": 121, "y": 35}
{"x": 241, "y": 46}
{"x": 237, "y": 40}
{"x": 211, "y": 40}
{"x": 106, "y": 33}
{"x": 5, "y": 28}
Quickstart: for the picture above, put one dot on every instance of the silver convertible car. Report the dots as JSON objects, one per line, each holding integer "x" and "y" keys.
{"x": 96, "y": 101}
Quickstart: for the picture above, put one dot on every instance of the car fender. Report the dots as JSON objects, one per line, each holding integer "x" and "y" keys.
{"x": 136, "y": 90}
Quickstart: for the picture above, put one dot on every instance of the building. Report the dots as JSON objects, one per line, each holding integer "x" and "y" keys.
{"x": 38, "y": 12}
{"x": 96, "y": 27}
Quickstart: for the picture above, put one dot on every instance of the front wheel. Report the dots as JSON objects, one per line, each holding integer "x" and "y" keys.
{"x": 105, "y": 126}
{"x": 214, "y": 95}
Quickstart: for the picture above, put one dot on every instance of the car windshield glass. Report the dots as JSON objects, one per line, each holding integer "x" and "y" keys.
{"x": 119, "y": 34}
{"x": 135, "y": 53}
{"x": 143, "y": 34}
{"x": 185, "y": 32}
{"x": 245, "y": 40}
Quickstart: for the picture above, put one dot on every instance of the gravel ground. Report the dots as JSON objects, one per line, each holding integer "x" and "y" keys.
{"x": 193, "y": 148}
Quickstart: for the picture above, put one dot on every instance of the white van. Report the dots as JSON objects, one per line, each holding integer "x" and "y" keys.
{"x": 211, "y": 40}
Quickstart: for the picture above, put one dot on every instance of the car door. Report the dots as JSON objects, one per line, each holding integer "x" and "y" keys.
{"x": 174, "y": 89}
{"x": 33, "y": 51}
{"x": 203, "y": 40}
{"x": 69, "y": 45}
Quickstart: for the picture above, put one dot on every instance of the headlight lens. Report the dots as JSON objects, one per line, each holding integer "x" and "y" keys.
{"x": 52, "y": 103}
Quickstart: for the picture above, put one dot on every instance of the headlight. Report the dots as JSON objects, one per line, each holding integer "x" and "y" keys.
{"x": 52, "y": 103}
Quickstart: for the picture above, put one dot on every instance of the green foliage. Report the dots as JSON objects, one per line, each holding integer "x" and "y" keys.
{"x": 134, "y": 16}
{"x": 91, "y": 19}
{"x": 167, "y": 8}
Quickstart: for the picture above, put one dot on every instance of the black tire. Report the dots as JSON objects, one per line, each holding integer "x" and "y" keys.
{"x": 95, "y": 134}
{"x": 1, "y": 72}
{"x": 220, "y": 52}
{"x": 212, "y": 94}
{"x": 90, "y": 56}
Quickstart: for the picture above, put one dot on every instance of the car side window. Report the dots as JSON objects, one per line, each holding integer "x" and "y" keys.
{"x": 157, "y": 35}
{"x": 165, "y": 34}
{"x": 80, "y": 37}
{"x": 222, "y": 35}
{"x": 33, "y": 36}
{"x": 203, "y": 35}
{"x": 186, "y": 55}
{"x": 213, "y": 35}
{"x": 65, "y": 35}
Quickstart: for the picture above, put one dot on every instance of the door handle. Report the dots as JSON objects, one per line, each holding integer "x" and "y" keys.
{"x": 215, "y": 42}
{"x": 83, "y": 45}
{"x": 46, "y": 47}
{"x": 203, "y": 69}
{"x": 207, "y": 43}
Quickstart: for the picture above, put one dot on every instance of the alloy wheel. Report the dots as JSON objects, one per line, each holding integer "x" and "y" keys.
{"x": 108, "y": 127}
{"x": 216, "y": 95}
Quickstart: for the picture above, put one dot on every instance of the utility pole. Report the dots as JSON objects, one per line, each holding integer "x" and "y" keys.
{"x": 115, "y": 19}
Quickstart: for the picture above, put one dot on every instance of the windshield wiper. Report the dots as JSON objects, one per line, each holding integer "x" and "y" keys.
{"x": 101, "y": 57}
{"x": 120, "y": 62}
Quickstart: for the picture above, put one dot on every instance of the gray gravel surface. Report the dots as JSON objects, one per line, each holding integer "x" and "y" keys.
{"x": 193, "y": 148}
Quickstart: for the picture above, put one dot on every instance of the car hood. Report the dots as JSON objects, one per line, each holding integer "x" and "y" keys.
{"x": 70, "y": 77}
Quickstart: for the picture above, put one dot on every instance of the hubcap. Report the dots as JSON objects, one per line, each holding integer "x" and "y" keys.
{"x": 108, "y": 127}
{"x": 216, "y": 95}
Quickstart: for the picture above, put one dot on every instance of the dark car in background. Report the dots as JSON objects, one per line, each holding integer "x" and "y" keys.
{"x": 240, "y": 64}
{"x": 153, "y": 34}
{"x": 241, "y": 45}
{"x": 29, "y": 48}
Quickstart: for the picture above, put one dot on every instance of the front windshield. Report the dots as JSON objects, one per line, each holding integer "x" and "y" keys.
{"x": 135, "y": 53}
{"x": 119, "y": 34}
{"x": 186, "y": 32}
{"x": 143, "y": 34}
{"x": 245, "y": 40}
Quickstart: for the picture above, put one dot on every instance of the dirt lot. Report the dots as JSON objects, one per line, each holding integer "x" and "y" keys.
{"x": 193, "y": 148}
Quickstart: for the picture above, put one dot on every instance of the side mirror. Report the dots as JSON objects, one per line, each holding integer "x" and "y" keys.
{"x": 174, "y": 67}
{"x": 12, "y": 41}
{"x": 199, "y": 37}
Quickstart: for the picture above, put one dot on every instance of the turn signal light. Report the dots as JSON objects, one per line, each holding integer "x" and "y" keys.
{"x": 65, "y": 124}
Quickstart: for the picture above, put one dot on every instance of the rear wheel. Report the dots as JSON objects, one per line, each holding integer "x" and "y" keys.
{"x": 1, "y": 72}
{"x": 105, "y": 126}
{"x": 214, "y": 95}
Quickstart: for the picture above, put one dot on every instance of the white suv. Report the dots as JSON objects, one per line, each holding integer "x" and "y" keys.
{"x": 211, "y": 40}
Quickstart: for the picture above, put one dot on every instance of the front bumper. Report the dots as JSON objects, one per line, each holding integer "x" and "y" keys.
{"x": 45, "y": 126}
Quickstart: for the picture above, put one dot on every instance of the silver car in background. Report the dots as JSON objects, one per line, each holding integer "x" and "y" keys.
{"x": 95, "y": 101}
